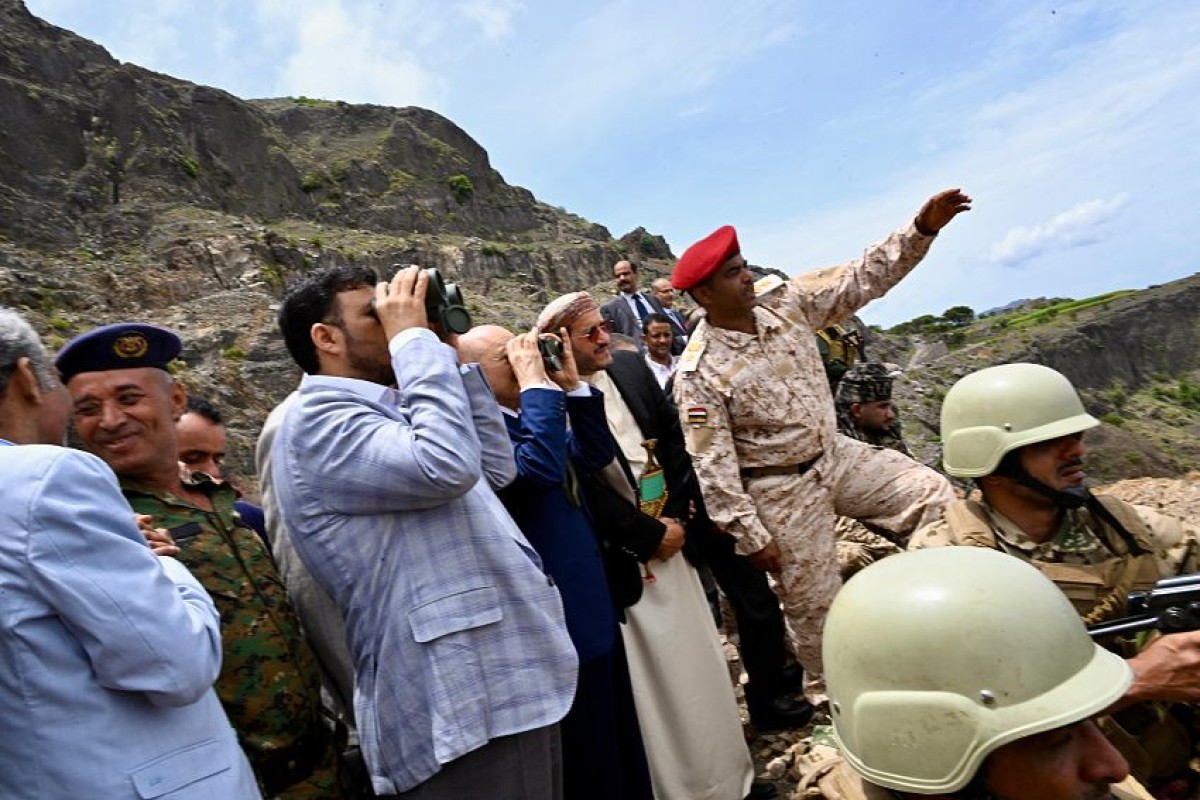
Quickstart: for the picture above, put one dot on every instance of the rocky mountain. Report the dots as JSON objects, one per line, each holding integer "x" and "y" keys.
{"x": 1133, "y": 355}
{"x": 127, "y": 194}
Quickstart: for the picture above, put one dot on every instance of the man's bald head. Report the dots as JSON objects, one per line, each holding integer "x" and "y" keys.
{"x": 487, "y": 346}
{"x": 664, "y": 291}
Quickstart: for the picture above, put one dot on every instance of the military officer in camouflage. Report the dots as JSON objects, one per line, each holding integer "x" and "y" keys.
{"x": 759, "y": 421}
{"x": 865, "y": 410}
{"x": 1017, "y": 430}
{"x": 125, "y": 408}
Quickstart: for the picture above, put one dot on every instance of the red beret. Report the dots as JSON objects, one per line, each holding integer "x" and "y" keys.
{"x": 702, "y": 259}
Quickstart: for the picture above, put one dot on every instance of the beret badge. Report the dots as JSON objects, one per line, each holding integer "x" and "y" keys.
{"x": 131, "y": 345}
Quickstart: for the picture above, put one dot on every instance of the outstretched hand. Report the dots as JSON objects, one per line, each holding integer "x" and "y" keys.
{"x": 940, "y": 209}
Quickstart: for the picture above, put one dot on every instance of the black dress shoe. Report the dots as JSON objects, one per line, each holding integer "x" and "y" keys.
{"x": 761, "y": 790}
{"x": 780, "y": 713}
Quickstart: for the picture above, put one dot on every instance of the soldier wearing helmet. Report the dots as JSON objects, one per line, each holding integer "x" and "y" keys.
{"x": 1018, "y": 431}
{"x": 940, "y": 686}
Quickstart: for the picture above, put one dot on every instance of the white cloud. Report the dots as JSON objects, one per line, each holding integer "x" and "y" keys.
{"x": 1109, "y": 121}
{"x": 630, "y": 54}
{"x": 1086, "y": 223}
{"x": 495, "y": 17}
{"x": 353, "y": 52}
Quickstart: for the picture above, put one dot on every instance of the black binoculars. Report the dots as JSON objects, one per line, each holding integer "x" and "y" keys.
{"x": 443, "y": 302}
{"x": 551, "y": 350}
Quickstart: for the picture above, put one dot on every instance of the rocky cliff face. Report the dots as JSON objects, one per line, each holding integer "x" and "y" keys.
{"x": 127, "y": 194}
{"x": 1134, "y": 360}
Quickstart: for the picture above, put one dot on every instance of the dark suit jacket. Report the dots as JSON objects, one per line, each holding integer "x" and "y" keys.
{"x": 622, "y": 318}
{"x": 555, "y": 523}
{"x": 679, "y": 334}
{"x": 637, "y": 534}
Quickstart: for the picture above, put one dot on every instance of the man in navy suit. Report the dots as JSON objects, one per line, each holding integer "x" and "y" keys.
{"x": 558, "y": 430}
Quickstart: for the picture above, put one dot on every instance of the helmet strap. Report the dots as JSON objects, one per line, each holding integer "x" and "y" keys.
{"x": 1011, "y": 468}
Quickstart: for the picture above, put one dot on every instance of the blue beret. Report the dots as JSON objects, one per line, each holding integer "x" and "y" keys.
{"x": 125, "y": 345}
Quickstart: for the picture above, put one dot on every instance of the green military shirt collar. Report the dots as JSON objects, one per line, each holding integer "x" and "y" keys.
{"x": 199, "y": 481}
{"x": 1074, "y": 536}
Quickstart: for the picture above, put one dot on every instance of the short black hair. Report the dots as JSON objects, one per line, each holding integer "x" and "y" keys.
{"x": 203, "y": 408}
{"x": 653, "y": 317}
{"x": 313, "y": 299}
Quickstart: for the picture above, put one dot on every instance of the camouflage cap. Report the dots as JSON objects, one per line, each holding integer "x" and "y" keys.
{"x": 866, "y": 382}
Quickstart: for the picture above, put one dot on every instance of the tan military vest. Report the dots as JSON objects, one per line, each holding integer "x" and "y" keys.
{"x": 1098, "y": 591}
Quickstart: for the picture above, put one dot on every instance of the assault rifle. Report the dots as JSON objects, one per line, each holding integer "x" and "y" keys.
{"x": 1172, "y": 606}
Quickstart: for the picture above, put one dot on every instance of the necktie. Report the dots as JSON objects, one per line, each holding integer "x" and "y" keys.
{"x": 642, "y": 306}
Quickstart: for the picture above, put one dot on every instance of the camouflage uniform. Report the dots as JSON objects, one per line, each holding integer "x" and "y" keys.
{"x": 759, "y": 422}
{"x": 865, "y": 382}
{"x": 269, "y": 683}
{"x": 1083, "y": 545}
{"x": 1095, "y": 568}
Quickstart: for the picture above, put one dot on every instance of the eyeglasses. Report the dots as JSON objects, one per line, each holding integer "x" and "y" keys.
{"x": 593, "y": 333}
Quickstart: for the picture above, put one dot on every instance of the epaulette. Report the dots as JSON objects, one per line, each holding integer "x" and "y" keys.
{"x": 689, "y": 360}
{"x": 766, "y": 284}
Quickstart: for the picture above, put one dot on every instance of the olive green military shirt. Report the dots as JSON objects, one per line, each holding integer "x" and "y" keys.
{"x": 269, "y": 683}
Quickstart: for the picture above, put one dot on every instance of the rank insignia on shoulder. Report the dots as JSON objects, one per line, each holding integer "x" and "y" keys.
{"x": 767, "y": 284}
{"x": 690, "y": 358}
{"x": 697, "y": 415}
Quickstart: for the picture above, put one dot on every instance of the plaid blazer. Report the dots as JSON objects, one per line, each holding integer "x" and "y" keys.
{"x": 456, "y": 632}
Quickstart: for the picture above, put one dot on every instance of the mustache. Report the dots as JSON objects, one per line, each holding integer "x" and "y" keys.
{"x": 125, "y": 429}
{"x": 1070, "y": 465}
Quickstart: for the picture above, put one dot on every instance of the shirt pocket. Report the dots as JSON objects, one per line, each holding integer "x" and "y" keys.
{"x": 181, "y": 768}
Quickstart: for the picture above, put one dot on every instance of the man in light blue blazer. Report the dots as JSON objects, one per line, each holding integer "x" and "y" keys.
{"x": 107, "y": 653}
{"x": 463, "y": 665}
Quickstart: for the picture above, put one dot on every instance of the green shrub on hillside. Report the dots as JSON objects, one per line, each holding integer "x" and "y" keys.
{"x": 461, "y": 187}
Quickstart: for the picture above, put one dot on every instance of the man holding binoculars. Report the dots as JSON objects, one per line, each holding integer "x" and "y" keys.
{"x": 389, "y": 496}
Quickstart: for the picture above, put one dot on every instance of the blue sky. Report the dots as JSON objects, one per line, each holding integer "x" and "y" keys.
{"x": 814, "y": 127}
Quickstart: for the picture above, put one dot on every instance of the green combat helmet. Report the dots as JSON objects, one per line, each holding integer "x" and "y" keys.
{"x": 994, "y": 411}
{"x": 930, "y": 665}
